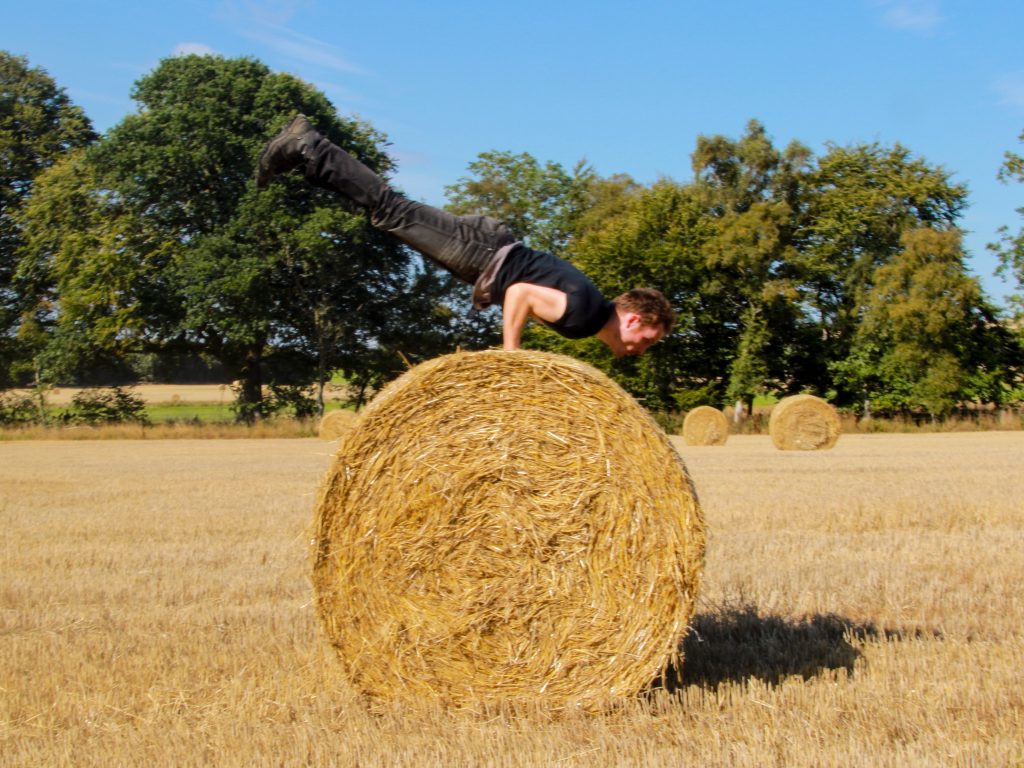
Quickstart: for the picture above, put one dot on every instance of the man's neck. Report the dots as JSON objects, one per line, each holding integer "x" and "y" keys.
{"x": 609, "y": 332}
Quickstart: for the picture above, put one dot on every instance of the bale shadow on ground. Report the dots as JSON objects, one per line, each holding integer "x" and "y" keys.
{"x": 737, "y": 644}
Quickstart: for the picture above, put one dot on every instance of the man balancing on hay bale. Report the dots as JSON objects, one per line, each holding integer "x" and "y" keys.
{"x": 479, "y": 250}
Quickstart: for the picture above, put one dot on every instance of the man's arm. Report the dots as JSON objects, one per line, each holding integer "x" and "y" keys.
{"x": 526, "y": 300}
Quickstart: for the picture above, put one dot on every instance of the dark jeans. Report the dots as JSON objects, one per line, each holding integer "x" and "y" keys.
{"x": 464, "y": 245}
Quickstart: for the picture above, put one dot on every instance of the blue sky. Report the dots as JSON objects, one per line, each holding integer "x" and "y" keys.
{"x": 628, "y": 86}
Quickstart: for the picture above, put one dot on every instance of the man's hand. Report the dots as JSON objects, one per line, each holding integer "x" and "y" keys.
{"x": 526, "y": 300}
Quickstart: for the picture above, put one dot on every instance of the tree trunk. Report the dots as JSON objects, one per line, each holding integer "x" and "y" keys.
{"x": 321, "y": 368}
{"x": 40, "y": 395}
{"x": 320, "y": 397}
{"x": 250, "y": 397}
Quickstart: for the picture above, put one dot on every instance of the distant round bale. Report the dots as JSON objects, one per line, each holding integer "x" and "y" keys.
{"x": 506, "y": 526}
{"x": 705, "y": 425}
{"x": 335, "y": 424}
{"x": 803, "y": 423}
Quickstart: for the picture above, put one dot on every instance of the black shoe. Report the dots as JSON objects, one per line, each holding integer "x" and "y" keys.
{"x": 292, "y": 147}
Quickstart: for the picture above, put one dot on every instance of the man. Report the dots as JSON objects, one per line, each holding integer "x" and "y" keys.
{"x": 479, "y": 250}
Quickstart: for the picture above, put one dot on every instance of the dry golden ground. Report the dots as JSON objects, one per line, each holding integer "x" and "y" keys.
{"x": 861, "y": 607}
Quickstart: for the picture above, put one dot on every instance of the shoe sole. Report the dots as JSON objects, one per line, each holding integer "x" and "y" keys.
{"x": 263, "y": 173}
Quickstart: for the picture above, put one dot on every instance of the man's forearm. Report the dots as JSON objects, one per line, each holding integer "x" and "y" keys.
{"x": 514, "y": 314}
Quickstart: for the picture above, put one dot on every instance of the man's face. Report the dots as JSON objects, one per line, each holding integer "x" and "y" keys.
{"x": 635, "y": 338}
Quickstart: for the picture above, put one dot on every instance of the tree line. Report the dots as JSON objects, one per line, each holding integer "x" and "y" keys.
{"x": 149, "y": 249}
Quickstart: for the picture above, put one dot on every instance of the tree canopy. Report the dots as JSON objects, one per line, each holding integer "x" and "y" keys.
{"x": 1010, "y": 247}
{"x": 38, "y": 126}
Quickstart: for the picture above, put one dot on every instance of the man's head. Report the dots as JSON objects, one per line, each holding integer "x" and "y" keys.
{"x": 642, "y": 317}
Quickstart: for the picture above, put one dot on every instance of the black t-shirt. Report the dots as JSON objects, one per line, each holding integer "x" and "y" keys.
{"x": 586, "y": 310}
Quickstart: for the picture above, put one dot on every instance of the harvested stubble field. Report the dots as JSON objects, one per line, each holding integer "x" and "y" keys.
{"x": 861, "y": 606}
{"x": 153, "y": 393}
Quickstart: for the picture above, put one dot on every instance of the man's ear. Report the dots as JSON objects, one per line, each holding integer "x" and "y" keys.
{"x": 633, "y": 319}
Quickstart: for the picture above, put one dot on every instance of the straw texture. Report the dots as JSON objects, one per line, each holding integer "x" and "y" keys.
{"x": 335, "y": 424}
{"x": 502, "y": 527}
{"x": 803, "y": 423}
{"x": 705, "y": 425}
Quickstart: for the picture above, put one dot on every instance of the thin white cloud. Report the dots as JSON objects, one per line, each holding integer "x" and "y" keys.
{"x": 265, "y": 22}
{"x": 1010, "y": 87}
{"x": 911, "y": 15}
{"x": 187, "y": 49}
{"x": 300, "y": 47}
{"x": 273, "y": 12}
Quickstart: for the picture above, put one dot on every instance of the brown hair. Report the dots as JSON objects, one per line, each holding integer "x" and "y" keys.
{"x": 650, "y": 304}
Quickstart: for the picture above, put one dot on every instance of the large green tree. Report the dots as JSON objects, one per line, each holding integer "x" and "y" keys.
{"x": 1010, "y": 247}
{"x": 861, "y": 202}
{"x": 541, "y": 204}
{"x": 655, "y": 236}
{"x": 87, "y": 298}
{"x": 752, "y": 194}
{"x": 928, "y": 338}
{"x": 38, "y": 125}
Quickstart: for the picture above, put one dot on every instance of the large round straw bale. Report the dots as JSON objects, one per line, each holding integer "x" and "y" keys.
{"x": 705, "y": 425}
{"x": 506, "y": 526}
{"x": 803, "y": 423}
{"x": 335, "y": 424}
